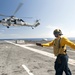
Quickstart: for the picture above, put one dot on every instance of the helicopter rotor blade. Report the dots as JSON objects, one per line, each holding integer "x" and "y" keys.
{"x": 4, "y": 15}
{"x": 27, "y": 17}
{"x": 18, "y": 8}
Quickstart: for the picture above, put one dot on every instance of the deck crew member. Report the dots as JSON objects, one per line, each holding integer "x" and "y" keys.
{"x": 60, "y": 51}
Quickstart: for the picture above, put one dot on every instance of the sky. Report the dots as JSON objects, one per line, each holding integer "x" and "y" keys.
{"x": 52, "y": 14}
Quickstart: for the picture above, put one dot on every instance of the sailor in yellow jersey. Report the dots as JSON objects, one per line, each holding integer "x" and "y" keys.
{"x": 60, "y": 51}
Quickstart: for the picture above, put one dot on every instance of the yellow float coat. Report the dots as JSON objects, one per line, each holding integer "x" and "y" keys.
{"x": 63, "y": 42}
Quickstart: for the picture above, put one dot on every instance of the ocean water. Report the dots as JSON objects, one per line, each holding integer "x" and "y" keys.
{"x": 34, "y": 39}
{"x": 29, "y": 39}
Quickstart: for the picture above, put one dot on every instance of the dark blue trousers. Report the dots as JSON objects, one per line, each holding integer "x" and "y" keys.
{"x": 61, "y": 64}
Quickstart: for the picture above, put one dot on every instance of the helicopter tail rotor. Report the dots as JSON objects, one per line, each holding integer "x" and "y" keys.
{"x": 37, "y": 23}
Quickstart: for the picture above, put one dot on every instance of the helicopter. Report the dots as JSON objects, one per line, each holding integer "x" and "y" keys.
{"x": 14, "y": 21}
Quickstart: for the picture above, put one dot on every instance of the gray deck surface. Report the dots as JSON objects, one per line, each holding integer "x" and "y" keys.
{"x": 12, "y": 58}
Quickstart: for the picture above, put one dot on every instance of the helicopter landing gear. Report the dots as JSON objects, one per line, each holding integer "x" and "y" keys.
{"x": 32, "y": 28}
{"x": 7, "y": 26}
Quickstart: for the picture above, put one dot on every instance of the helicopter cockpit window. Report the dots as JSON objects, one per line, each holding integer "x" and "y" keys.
{"x": 8, "y": 20}
{"x": 21, "y": 20}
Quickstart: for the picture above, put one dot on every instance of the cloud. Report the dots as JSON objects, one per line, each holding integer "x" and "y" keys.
{"x": 67, "y": 31}
{"x": 2, "y": 30}
{"x": 50, "y": 27}
{"x": 54, "y": 26}
{"x": 70, "y": 33}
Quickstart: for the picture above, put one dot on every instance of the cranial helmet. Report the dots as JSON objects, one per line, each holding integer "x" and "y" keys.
{"x": 57, "y": 31}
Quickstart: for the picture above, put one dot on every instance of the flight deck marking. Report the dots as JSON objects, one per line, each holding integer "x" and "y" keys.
{"x": 28, "y": 71}
{"x": 71, "y": 61}
{"x": 71, "y": 51}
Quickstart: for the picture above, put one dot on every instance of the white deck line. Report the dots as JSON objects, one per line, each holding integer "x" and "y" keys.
{"x": 71, "y": 61}
{"x": 28, "y": 71}
{"x": 71, "y": 51}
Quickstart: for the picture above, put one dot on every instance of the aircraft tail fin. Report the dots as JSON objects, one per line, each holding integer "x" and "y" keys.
{"x": 36, "y": 23}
